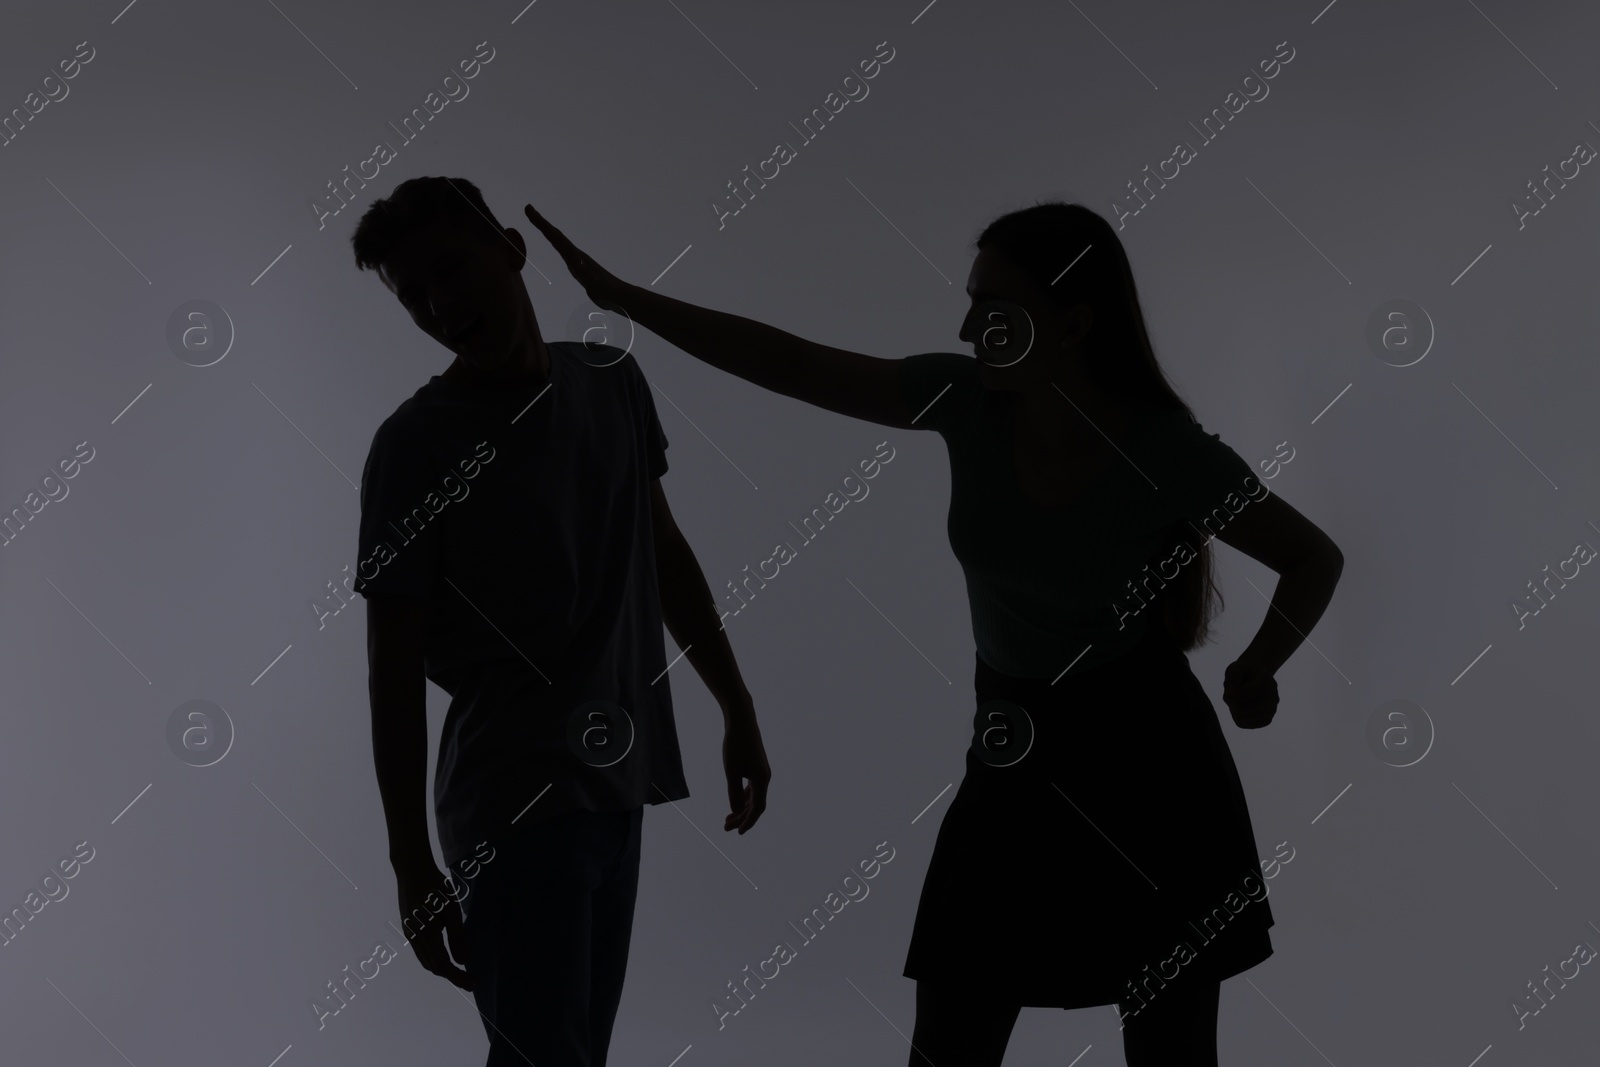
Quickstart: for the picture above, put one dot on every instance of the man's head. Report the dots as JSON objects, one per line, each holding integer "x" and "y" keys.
{"x": 455, "y": 269}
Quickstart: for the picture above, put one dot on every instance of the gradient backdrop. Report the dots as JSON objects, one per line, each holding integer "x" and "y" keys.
{"x": 220, "y": 500}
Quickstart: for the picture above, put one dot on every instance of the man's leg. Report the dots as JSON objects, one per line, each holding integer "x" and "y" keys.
{"x": 529, "y": 924}
{"x": 611, "y": 930}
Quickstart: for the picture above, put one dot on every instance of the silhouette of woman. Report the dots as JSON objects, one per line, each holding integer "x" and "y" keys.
{"x": 1099, "y": 849}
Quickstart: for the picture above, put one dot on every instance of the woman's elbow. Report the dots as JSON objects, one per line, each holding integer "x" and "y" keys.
{"x": 1326, "y": 558}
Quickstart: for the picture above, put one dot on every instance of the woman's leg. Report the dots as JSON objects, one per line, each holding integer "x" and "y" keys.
{"x": 1178, "y": 1028}
{"x": 957, "y": 1026}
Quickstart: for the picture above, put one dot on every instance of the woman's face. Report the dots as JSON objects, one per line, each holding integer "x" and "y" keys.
{"x": 1017, "y": 327}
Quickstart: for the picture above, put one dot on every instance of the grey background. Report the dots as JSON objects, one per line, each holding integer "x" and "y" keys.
{"x": 180, "y": 565}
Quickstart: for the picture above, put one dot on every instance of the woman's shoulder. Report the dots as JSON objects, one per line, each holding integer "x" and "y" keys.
{"x": 942, "y": 389}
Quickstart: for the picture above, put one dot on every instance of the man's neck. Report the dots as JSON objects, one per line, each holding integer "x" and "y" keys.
{"x": 529, "y": 368}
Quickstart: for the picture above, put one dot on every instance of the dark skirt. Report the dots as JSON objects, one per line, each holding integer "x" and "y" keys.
{"x": 1073, "y": 864}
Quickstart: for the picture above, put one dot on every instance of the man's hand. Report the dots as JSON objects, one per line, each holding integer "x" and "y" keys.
{"x": 743, "y": 757}
{"x": 601, "y": 285}
{"x": 1251, "y": 694}
{"x": 427, "y": 911}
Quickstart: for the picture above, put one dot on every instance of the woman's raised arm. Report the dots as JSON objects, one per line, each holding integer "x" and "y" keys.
{"x": 851, "y": 383}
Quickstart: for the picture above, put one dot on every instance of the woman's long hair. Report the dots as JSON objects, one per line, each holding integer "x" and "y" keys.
{"x": 1044, "y": 239}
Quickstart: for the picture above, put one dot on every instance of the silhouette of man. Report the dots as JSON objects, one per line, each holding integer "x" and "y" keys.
{"x": 516, "y": 549}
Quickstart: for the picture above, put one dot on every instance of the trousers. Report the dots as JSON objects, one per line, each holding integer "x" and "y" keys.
{"x": 547, "y": 927}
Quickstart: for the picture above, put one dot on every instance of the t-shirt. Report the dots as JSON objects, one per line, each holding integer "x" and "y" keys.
{"x": 1051, "y": 588}
{"x": 522, "y": 517}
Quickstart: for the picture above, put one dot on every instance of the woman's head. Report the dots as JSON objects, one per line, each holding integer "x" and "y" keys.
{"x": 1054, "y": 301}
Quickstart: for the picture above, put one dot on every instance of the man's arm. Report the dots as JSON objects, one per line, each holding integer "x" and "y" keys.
{"x": 690, "y": 614}
{"x": 397, "y": 689}
{"x": 690, "y": 611}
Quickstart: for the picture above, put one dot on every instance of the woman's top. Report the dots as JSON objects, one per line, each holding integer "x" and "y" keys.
{"x": 1071, "y": 586}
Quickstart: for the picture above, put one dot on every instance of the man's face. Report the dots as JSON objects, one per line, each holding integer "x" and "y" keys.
{"x": 461, "y": 287}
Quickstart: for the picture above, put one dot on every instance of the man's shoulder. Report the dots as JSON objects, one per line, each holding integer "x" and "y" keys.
{"x": 414, "y": 418}
{"x": 607, "y": 371}
{"x": 591, "y": 356}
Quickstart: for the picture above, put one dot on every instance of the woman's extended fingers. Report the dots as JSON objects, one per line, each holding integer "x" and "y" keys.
{"x": 556, "y": 238}
{"x": 589, "y": 274}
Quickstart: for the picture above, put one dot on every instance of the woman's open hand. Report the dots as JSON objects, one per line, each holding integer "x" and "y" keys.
{"x": 1251, "y": 694}
{"x": 601, "y": 285}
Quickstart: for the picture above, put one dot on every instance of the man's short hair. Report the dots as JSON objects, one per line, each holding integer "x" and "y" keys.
{"x": 415, "y": 203}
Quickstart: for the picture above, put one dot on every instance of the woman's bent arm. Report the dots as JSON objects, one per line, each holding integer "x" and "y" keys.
{"x": 1308, "y": 563}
